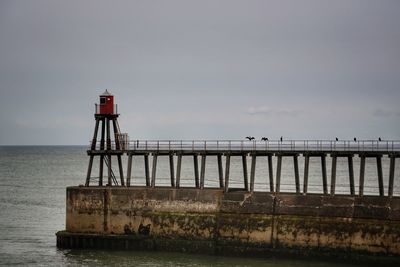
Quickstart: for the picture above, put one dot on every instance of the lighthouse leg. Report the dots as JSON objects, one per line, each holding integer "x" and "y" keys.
{"x": 121, "y": 172}
{"x": 101, "y": 170}
{"x": 89, "y": 170}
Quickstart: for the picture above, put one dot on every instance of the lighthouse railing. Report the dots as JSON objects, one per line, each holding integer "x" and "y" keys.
{"x": 97, "y": 109}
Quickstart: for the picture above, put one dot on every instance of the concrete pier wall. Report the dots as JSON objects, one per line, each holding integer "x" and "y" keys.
{"x": 211, "y": 221}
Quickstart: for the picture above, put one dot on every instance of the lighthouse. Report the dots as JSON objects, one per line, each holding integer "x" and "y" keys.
{"x": 106, "y": 106}
{"x": 109, "y": 145}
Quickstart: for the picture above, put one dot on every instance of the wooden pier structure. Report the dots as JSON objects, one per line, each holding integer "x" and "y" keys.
{"x": 152, "y": 150}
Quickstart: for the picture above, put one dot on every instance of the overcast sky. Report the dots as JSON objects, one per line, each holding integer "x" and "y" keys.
{"x": 200, "y": 69}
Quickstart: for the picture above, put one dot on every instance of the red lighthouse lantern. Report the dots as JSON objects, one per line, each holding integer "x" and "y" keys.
{"x": 106, "y": 105}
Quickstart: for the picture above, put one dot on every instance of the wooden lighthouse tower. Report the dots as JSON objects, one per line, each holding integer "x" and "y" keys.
{"x": 109, "y": 145}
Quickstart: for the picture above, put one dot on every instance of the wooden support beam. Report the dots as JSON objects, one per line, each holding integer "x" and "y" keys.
{"x": 324, "y": 175}
{"x": 154, "y": 171}
{"x": 109, "y": 171}
{"x": 380, "y": 175}
{"x": 129, "y": 171}
{"x": 121, "y": 171}
{"x": 196, "y": 171}
{"x": 220, "y": 171}
{"x": 351, "y": 175}
{"x": 108, "y": 135}
{"x": 362, "y": 174}
{"x": 171, "y": 169}
{"x": 178, "y": 171}
{"x": 147, "y": 169}
{"x": 227, "y": 167}
{"x": 202, "y": 170}
{"x": 245, "y": 174}
{"x": 296, "y": 173}
{"x": 103, "y": 133}
{"x": 306, "y": 166}
{"x": 89, "y": 171}
{"x": 101, "y": 166}
{"x": 253, "y": 172}
{"x": 278, "y": 173}
{"x": 391, "y": 175}
{"x": 114, "y": 122}
{"x": 333, "y": 174}
{"x": 94, "y": 140}
{"x": 271, "y": 174}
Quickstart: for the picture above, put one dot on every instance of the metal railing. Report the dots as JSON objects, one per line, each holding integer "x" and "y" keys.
{"x": 97, "y": 109}
{"x": 387, "y": 146}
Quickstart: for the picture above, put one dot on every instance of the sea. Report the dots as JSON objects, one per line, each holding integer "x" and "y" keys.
{"x": 33, "y": 181}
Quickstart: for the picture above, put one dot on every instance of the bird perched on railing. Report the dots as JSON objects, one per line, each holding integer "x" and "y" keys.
{"x": 337, "y": 139}
{"x": 379, "y": 139}
{"x": 250, "y": 138}
{"x": 264, "y": 138}
{"x": 281, "y": 138}
{"x": 355, "y": 139}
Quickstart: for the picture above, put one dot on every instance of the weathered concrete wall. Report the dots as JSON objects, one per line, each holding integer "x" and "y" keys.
{"x": 236, "y": 221}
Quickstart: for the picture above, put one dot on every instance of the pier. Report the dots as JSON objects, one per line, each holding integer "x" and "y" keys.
{"x": 111, "y": 211}
{"x": 222, "y": 151}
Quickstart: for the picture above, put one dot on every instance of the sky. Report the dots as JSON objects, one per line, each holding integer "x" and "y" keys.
{"x": 219, "y": 69}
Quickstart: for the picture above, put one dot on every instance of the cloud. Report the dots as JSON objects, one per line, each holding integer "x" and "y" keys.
{"x": 379, "y": 112}
{"x": 264, "y": 110}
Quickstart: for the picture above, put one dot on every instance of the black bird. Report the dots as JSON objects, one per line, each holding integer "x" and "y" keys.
{"x": 337, "y": 139}
{"x": 250, "y": 138}
{"x": 379, "y": 139}
{"x": 281, "y": 138}
{"x": 355, "y": 139}
{"x": 264, "y": 139}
